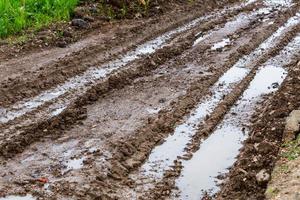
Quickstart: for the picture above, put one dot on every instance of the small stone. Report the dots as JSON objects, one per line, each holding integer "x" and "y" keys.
{"x": 275, "y": 85}
{"x": 80, "y": 23}
{"x": 263, "y": 176}
{"x": 79, "y": 12}
{"x": 61, "y": 44}
{"x": 162, "y": 100}
{"x": 292, "y": 125}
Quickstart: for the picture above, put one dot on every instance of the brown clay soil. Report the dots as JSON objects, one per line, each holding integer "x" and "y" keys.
{"x": 82, "y": 122}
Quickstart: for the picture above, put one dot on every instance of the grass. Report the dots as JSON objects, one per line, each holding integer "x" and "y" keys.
{"x": 125, "y": 9}
{"x": 292, "y": 149}
{"x": 17, "y": 15}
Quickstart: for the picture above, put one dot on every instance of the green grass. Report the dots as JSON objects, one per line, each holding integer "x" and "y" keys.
{"x": 292, "y": 149}
{"x": 17, "y": 15}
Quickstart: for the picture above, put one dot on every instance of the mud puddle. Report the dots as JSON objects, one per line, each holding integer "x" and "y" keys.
{"x": 199, "y": 175}
{"x": 240, "y": 21}
{"x": 174, "y": 145}
{"x": 163, "y": 156}
{"x": 218, "y": 152}
{"x": 220, "y": 45}
{"x": 243, "y": 19}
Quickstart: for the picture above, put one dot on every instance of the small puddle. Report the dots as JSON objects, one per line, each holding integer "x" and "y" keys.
{"x": 153, "y": 110}
{"x": 219, "y": 151}
{"x": 12, "y": 197}
{"x": 220, "y": 45}
{"x": 240, "y": 21}
{"x": 201, "y": 37}
{"x": 75, "y": 163}
{"x": 284, "y": 3}
{"x": 163, "y": 155}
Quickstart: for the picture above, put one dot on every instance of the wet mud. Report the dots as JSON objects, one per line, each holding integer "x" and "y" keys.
{"x": 148, "y": 121}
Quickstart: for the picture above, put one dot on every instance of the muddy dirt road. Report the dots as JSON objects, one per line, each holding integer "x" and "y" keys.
{"x": 193, "y": 110}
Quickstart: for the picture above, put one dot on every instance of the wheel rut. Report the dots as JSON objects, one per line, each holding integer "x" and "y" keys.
{"x": 148, "y": 124}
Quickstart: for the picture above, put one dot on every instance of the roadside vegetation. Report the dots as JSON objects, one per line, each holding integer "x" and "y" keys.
{"x": 16, "y": 15}
{"x": 292, "y": 149}
{"x": 21, "y": 20}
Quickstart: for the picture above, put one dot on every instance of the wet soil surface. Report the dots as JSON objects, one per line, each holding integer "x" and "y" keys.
{"x": 193, "y": 110}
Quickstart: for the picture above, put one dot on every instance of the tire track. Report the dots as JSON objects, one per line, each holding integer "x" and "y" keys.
{"x": 43, "y": 118}
{"x": 93, "y": 74}
{"x": 127, "y": 155}
{"x": 162, "y": 157}
{"x": 77, "y": 160}
{"x": 224, "y": 143}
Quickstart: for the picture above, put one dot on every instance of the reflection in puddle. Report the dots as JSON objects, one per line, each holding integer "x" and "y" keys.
{"x": 27, "y": 197}
{"x": 162, "y": 156}
{"x": 285, "y": 3}
{"x": 199, "y": 173}
{"x": 218, "y": 152}
{"x": 225, "y": 42}
{"x": 75, "y": 163}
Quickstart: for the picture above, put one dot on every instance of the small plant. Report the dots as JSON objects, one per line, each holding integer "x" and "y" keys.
{"x": 292, "y": 149}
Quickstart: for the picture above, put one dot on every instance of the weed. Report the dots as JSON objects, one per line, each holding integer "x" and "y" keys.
{"x": 292, "y": 149}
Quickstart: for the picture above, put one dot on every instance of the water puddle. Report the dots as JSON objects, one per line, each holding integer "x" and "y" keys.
{"x": 74, "y": 164}
{"x": 219, "y": 151}
{"x": 220, "y": 45}
{"x": 163, "y": 156}
{"x": 239, "y": 22}
{"x": 199, "y": 174}
{"x": 153, "y": 110}
{"x": 27, "y": 197}
{"x": 285, "y": 3}
{"x": 200, "y": 38}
